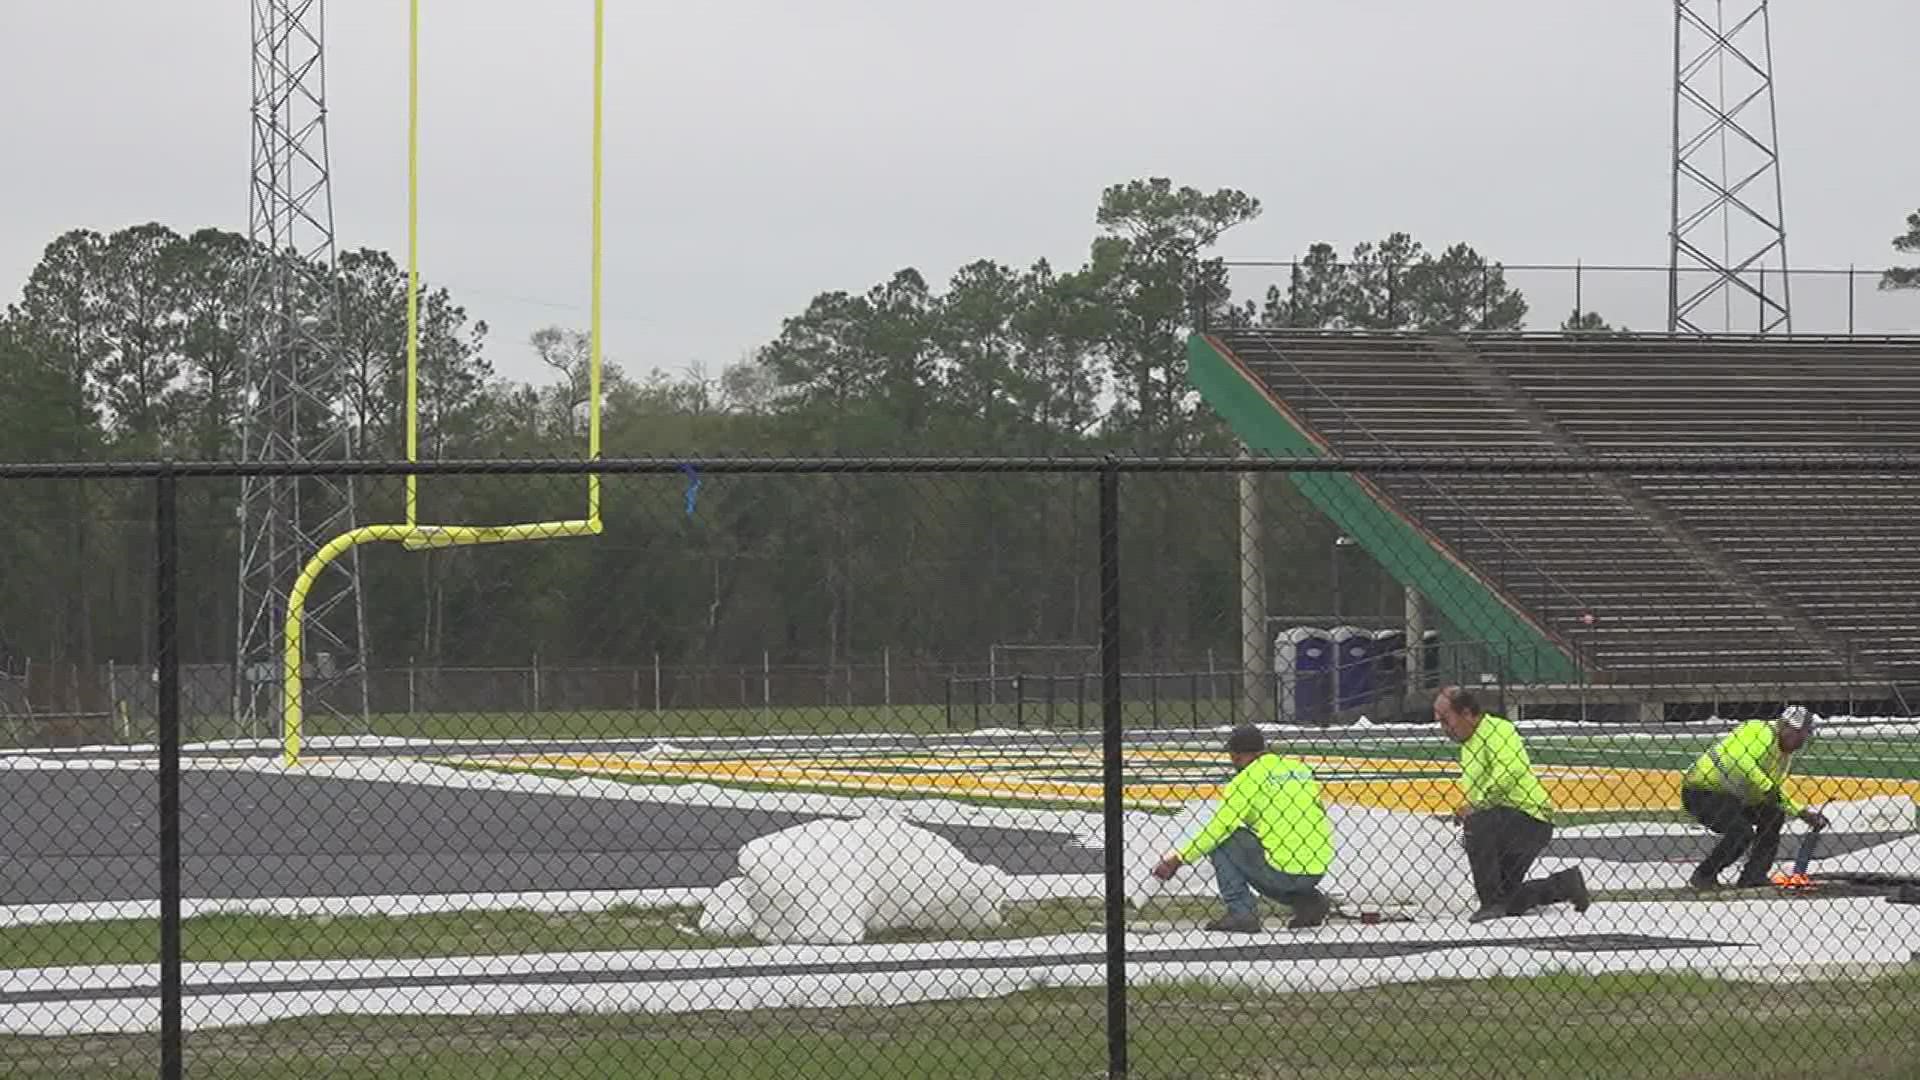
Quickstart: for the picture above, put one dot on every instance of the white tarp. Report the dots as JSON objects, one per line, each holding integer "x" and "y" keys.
{"x": 837, "y": 881}
{"x": 1384, "y": 860}
{"x": 1392, "y": 860}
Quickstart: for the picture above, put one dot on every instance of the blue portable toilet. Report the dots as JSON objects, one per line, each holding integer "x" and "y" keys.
{"x": 1303, "y": 658}
{"x": 1390, "y": 665}
{"x": 1355, "y": 663}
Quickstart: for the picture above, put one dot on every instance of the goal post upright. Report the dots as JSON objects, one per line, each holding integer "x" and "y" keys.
{"x": 411, "y": 534}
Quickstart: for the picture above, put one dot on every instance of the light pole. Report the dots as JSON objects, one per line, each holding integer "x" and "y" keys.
{"x": 1339, "y": 542}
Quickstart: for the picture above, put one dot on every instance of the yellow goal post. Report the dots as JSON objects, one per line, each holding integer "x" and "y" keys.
{"x": 411, "y": 534}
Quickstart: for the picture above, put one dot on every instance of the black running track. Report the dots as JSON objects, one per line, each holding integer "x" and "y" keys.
{"x": 87, "y": 835}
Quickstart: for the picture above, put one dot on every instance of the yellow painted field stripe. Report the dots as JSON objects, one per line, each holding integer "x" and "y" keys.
{"x": 1571, "y": 788}
{"x": 733, "y": 772}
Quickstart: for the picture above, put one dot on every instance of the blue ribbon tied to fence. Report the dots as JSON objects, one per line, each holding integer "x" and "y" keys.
{"x": 693, "y": 487}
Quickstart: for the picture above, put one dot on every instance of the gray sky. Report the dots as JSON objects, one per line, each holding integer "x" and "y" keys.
{"x": 760, "y": 152}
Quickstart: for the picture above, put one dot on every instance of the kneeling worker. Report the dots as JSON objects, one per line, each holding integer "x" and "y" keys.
{"x": 1271, "y": 835}
{"x": 1738, "y": 789}
{"x": 1508, "y": 818}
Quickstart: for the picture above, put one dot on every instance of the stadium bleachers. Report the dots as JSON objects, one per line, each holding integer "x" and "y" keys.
{"x": 1840, "y": 549}
{"x": 1744, "y": 578}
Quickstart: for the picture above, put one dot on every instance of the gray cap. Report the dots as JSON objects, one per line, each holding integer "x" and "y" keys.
{"x": 1246, "y": 739}
{"x": 1798, "y": 718}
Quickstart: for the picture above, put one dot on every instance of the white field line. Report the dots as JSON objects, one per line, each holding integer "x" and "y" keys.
{"x": 1780, "y": 941}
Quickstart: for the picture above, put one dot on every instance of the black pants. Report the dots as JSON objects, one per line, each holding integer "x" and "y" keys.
{"x": 1754, "y": 830}
{"x": 1502, "y": 844}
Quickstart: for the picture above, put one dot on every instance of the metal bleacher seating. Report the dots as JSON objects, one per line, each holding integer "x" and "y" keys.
{"x": 1839, "y": 549}
{"x": 1762, "y": 578}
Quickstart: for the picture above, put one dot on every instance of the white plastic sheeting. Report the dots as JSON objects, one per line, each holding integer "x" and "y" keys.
{"x": 1384, "y": 860}
{"x": 1395, "y": 861}
{"x": 836, "y": 882}
{"x": 1879, "y": 814}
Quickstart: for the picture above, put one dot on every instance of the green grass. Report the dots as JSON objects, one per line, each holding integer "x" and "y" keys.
{"x": 644, "y": 724}
{"x": 748, "y": 720}
{"x": 1604, "y": 1028}
{"x": 246, "y": 938}
{"x": 224, "y": 938}
{"x": 251, "y": 938}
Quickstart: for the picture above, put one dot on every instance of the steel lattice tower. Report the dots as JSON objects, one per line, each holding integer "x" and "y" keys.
{"x": 294, "y": 381}
{"x": 1729, "y": 235}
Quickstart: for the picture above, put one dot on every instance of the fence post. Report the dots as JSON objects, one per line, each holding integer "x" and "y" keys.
{"x": 1112, "y": 790}
{"x": 167, "y": 640}
{"x": 1851, "y": 298}
{"x": 656, "y": 680}
{"x": 536, "y": 682}
{"x": 993, "y": 675}
{"x": 410, "y": 688}
{"x": 886, "y": 679}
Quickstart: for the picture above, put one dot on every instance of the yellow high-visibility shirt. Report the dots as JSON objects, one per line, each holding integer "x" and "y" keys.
{"x": 1278, "y": 799}
{"x": 1495, "y": 771}
{"x": 1748, "y": 764}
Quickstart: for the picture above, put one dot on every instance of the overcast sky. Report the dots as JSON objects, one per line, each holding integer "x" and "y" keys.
{"x": 759, "y": 152}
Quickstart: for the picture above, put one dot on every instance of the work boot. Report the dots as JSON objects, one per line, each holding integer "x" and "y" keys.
{"x": 1571, "y": 885}
{"x": 1491, "y": 911}
{"x": 1310, "y": 910}
{"x": 1701, "y": 881}
{"x": 1755, "y": 873}
{"x": 1235, "y": 924}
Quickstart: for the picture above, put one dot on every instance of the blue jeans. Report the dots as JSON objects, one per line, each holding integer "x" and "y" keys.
{"x": 1240, "y": 864}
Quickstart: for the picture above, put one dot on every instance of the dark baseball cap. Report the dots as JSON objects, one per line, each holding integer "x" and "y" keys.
{"x": 1246, "y": 739}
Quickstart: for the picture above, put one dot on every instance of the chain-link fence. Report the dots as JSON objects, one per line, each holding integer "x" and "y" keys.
{"x": 1530, "y": 794}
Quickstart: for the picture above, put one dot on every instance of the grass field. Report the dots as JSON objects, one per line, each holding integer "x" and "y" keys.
{"x": 1841, "y": 756}
{"x": 1605, "y": 1028}
{"x": 244, "y": 938}
{"x": 239, "y": 938}
{"x": 774, "y": 720}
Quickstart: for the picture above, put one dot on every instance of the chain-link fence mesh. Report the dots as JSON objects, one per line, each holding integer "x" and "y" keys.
{"x": 809, "y": 769}
{"x": 79, "y": 849}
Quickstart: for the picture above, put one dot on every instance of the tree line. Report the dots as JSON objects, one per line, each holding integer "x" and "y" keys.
{"x": 130, "y": 345}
